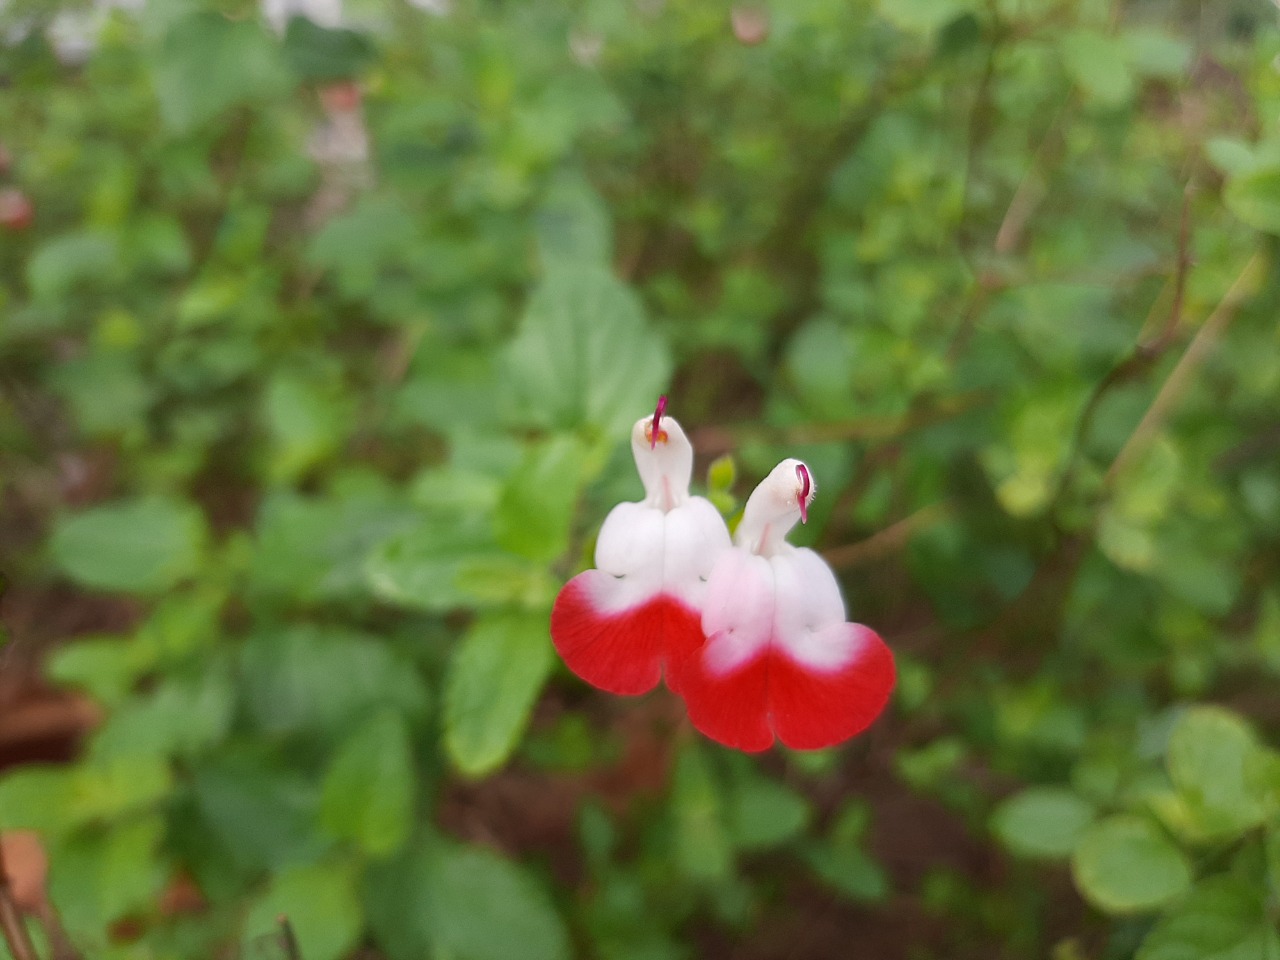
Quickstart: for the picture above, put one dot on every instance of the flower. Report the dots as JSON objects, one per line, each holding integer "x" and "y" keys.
{"x": 779, "y": 658}
{"x": 617, "y": 625}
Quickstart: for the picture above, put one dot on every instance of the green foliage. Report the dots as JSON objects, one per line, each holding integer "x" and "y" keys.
{"x": 141, "y": 546}
{"x": 313, "y": 393}
{"x": 493, "y": 681}
{"x": 1124, "y": 864}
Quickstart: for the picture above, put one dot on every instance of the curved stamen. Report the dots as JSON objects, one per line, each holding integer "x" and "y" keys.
{"x": 806, "y": 489}
{"x": 655, "y": 431}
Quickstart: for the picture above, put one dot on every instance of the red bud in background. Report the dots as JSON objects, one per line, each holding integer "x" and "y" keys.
{"x": 16, "y": 211}
{"x": 750, "y": 25}
{"x": 340, "y": 97}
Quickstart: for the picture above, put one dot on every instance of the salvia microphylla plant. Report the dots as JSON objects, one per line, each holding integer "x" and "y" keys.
{"x": 751, "y": 632}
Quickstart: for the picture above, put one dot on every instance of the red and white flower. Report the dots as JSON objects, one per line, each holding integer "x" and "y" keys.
{"x": 617, "y": 626}
{"x": 779, "y": 658}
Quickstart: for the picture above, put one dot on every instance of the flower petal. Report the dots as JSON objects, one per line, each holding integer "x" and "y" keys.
{"x": 811, "y": 709}
{"x": 616, "y": 648}
{"x": 695, "y": 536}
{"x": 728, "y": 707}
{"x": 779, "y": 657}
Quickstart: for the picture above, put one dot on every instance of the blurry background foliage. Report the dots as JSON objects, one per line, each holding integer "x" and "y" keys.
{"x": 313, "y": 395}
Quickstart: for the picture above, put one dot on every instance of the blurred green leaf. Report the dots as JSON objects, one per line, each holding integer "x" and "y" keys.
{"x": 484, "y": 908}
{"x": 440, "y": 564}
{"x": 1125, "y": 864}
{"x": 319, "y": 53}
{"x": 763, "y": 813}
{"x": 321, "y": 904}
{"x": 64, "y": 263}
{"x": 105, "y": 667}
{"x": 923, "y": 16}
{"x": 701, "y": 837}
{"x": 208, "y": 63}
{"x": 1253, "y": 195}
{"x": 313, "y": 549}
{"x": 316, "y": 680}
{"x": 1098, "y": 64}
{"x": 1223, "y": 918}
{"x": 179, "y": 717}
{"x": 848, "y": 870}
{"x": 536, "y": 506}
{"x": 309, "y": 421}
{"x": 262, "y": 816}
{"x": 369, "y": 788}
{"x": 105, "y": 873}
{"x": 106, "y": 391}
{"x": 573, "y": 224}
{"x": 494, "y": 679}
{"x": 57, "y": 799}
{"x": 1042, "y": 822}
{"x": 449, "y": 900}
{"x": 145, "y": 545}
{"x": 1209, "y": 754}
{"x": 585, "y": 355}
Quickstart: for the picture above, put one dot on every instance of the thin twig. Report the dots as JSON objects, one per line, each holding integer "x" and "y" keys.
{"x": 890, "y": 540}
{"x": 12, "y": 925}
{"x": 288, "y": 942}
{"x": 1147, "y": 351}
{"x": 1181, "y": 375}
{"x": 1030, "y": 190}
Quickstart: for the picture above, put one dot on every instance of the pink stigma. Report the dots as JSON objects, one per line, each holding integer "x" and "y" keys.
{"x": 655, "y": 432}
{"x": 806, "y": 487}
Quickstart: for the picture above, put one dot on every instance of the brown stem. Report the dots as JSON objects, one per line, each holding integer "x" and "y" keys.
{"x": 288, "y": 941}
{"x": 887, "y": 541}
{"x": 1181, "y": 375}
{"x": 13, "y": 927}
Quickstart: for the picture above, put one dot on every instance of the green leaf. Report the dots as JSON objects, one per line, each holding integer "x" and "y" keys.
{"x": 702, "y": 842}
{"x": 1042, "y": 822}
{"x": 584, "y": 355}
{"x": 820, "y": 368}
{"x": 104, "y": 874}
{"x": 1153, "y": 52}
{"x": 440, "y": 564}
{"x": 318, "y": 53}
{"x": 315, "y": 680}
{"x": 763, "y": 813}
{"x": 208, "y": 63}
{"x": 1098, "y": 64}
{"x": 64, "y": 263}
{"x": 105, "y": 390}
{"x": 573, "y": 224}
{"x": 1253, "y": 195}
{"x": 442, "y": 899}
{"x": 321, "y": 904}
{"x": 105, "y": 667}
{"x": 1208, "y": 757}
{"x": 144, "y": 546}
{"x": 537, "y": 503}
{"x": 54, "y": 800}
{"x": 308, "y": 420}
{"x": 368, "y": 791}
{"x": 923, "y": 16}
{"x": 1223, "y": 918}
{"x": 494, "y": 679}
{"x": 313, "y": 549}
{"x": 483, "y": 908}
{"x": 358, "y": 244}
{"x": 848, "y": 870}
{"x": 1125, "y": 864}
{"x": 259, "y": 816}
{"x": 179, "y": 717}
